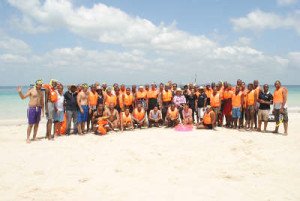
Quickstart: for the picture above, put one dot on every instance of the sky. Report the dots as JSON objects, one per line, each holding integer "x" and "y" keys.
{"x": 139, "y": 41}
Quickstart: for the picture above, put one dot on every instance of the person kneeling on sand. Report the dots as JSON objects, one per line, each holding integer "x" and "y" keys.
{"x": 209, "y": 119}
{"x": 172, "y": 118}
{"x": 126, "y": 120}
{"x": 113, "y": 116}
{"x": 139, "y": 116}
{"x": 35, "y": 107}
{"x": 187, "y": 115}
{"x": 100, "y": 123}
{"x": 155, "y": 117}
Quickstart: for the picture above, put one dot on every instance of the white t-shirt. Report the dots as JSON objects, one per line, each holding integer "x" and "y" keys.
{"x": 60, "y": 102}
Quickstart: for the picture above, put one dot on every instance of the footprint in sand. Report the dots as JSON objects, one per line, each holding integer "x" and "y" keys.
{"x": 83, "y": 180}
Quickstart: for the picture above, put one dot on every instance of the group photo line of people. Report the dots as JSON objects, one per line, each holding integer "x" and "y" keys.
{"x": 99, "y": 108}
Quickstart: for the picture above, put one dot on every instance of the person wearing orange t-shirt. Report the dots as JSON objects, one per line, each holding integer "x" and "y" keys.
{"x": 237, "y": 102}
{"x": 172, "y": 118}
{"x": 139, "y": 116}
{"x": 152, "y": 95}
{"x": 250, "y": 106}
{"x": 243, "y": 90}
{"x": 50, "y": 98}
{"x": 166, "y": 97}
{"x": 93, "y": 102}
{"x": 141, "y": 97}
{"x": 126, "y": 120}
{"x": 227, "y": 108}
{"x": 128, "y": 100}
{"x": 257, "y": 89}
{"x": 280, "y": 106}
{"x": 109, "y": 97}
{"x": 215, "y": 103}
{"x": 100, "y": 124}
{"x": 209, "y": 119}
{"x": 208, "y": 91}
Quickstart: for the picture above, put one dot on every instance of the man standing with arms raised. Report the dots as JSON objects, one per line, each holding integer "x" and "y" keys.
{"x": 35, "y": 107}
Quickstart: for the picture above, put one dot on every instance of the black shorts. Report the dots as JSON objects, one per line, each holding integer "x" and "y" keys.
{"x": 208, "y": 126}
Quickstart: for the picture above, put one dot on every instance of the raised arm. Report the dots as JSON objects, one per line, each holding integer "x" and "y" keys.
{"x": 22, "y": 96}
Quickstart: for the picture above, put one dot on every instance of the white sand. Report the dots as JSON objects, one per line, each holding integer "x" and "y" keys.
{"x": 152, "y": 164}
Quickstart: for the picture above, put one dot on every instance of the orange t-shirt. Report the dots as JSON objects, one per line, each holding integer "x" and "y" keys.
{"x": 237, "y": 100}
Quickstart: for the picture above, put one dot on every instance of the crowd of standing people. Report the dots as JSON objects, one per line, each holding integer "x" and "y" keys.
{"x": 99, "y": 108}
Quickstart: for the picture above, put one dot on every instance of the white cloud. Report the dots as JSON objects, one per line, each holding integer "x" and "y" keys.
{"x": 27, "y": 25}
{"x": 259, "y": 20}
{"x": 105, "y": 24}
{"x": 286, "y": 2}
{"x": 13, "y": 45}
{"x": 243, "y": 41}
{"x": 150, "y": 53}
{"x": 12, "y": 58}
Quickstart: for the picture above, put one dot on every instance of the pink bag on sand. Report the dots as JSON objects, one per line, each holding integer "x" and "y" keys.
{"x": 183, "y": 128}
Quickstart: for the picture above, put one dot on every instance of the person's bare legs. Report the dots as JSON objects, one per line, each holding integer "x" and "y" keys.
{"x": 29, "y": 128}
{"x": 35, "y": 129}
{"x": 79, "y": 128}
{"x": 251, "y": 120}
{"x": 265, "y": 126}
{"x": 285, "y": 125}
{"x": 259, "y": 125}
{"x": 49, "y": 129}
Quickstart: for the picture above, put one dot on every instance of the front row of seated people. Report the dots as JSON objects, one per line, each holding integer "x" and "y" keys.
{"x": 108, "y": 119}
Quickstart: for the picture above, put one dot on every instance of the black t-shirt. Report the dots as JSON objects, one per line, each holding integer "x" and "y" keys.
{"x": 190, "y": 99}
{"x": 266, "y": 97}
{"x": 201, "y": 100}
{"x": 71, "y": 101}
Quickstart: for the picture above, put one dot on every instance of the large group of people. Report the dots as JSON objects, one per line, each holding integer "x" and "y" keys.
{"x": 99, "y": 108}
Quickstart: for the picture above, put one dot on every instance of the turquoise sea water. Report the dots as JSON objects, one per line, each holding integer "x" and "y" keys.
{"x": 12, "y": 107}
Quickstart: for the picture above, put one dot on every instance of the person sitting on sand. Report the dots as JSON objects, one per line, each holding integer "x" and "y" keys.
{"x": 113, "y": 116}
{"x": 100, "y": 123}
{"x": 35, "y": 107}
{"x": 126, "y": 120}
{"x": 139, "y": 116}
{"x": 187, "y": 115}
{"x": 215, "y": 103}
{"x": 59, "y": 110}
{"x": 280, "y": 106}
{"x": 82, "y": 102}
{"x": 172, "y": 118}
{"x": 155, "y": 117}
{"x": 209, "y": 119}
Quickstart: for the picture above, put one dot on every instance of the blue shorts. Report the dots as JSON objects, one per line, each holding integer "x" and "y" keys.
{"x": 59, "y": 116}
{"x": 34, "y": 115}
{"x": 236, "y": 112}
{"x": 82, "y": 117}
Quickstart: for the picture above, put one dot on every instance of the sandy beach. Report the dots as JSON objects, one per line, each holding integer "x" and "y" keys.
{"x": 151, "y": 164}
